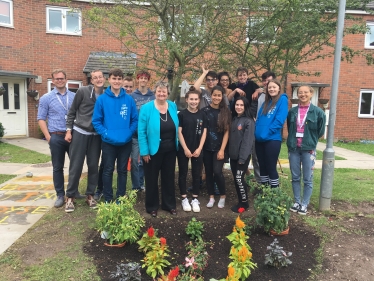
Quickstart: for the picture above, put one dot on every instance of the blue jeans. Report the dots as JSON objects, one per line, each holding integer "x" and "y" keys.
{"x": 137, "y": 171}
{"x": 58, "y": 147}
{"x": 306, "y": 159}
{"x": 111, "y": 153}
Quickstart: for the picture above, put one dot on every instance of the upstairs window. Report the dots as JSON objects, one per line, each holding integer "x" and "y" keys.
{"x": 366, "y": 104}
{"x": 369, "y": 37}
{"x": 64, "y": 21}
{"x": 6, "y": 13}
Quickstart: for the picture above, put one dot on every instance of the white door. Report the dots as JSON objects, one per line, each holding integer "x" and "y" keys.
{"x": 13, "y": 107}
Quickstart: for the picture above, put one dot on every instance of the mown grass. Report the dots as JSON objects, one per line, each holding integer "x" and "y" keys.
{"x": 4, "y": 178}
{"x": 367, "y": 148}
{"x": 14, "y": 154}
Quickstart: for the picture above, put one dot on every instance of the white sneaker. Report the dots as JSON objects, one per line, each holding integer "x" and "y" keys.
{"x": 303, "y": 210}
{"x": 221, "y": 203}
{"x": 195, "y": 205}
{"x": 185, "y": 205}
{"x": 210, "y": 203}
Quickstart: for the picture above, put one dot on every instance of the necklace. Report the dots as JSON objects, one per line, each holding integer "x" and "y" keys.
{"x": 166, "y": 119}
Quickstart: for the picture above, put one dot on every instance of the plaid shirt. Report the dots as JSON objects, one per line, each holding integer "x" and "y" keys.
{"x": 51, "y": 109}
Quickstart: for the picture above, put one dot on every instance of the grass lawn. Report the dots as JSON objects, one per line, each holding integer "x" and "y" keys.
{"x": 350, "y": 185}
{"x": 14, "y": 154}
{"x": 284, "y": 153}
{"x": 367, "y": 148}
{"x": 4, "y": 178}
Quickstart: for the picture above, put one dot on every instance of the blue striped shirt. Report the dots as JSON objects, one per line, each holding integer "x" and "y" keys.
{"x": 54, "y": 107}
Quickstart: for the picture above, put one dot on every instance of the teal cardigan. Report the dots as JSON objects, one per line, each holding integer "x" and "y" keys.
{"x": 149, "y": 127}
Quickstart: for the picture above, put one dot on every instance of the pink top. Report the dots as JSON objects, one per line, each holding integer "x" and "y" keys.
{"x": 303, "y": 110}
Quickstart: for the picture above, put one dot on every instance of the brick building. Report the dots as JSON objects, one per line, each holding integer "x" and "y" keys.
{"x": 38, "y": 36}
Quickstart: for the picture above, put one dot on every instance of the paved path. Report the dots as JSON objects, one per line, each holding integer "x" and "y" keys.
{"x": 23, "y": 200}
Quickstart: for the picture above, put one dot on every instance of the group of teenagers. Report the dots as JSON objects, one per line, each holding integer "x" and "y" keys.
{"x": 223, "y": 122}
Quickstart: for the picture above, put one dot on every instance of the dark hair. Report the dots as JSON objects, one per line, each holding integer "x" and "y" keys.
{"x": 221, "y": 74}
{"x": 269, "y": 98}
{"x": 143, "y": 72}
{"x": 241, "y": 69}
{"x": 128, "y": 78}
{"x": 192, "y": 90}
{"x": 224, "y": 116}
{"x": 116, "y": 72}
{"x": 212, "y": 74}
{"x": 268, "y": 74}
{"x": 246, "y": 112}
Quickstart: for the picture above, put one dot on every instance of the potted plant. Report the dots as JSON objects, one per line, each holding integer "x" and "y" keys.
{"x": 272, "y": 207}
{"x": 32, "y": 93}
{"x": 119, "y": 221}
{"x": 2, "y": 90}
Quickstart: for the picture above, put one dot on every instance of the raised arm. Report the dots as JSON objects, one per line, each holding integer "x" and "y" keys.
{"x": 199, "y": 81}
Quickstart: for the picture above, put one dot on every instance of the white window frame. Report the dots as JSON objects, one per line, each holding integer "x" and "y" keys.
{"x": 371, "y": 114}
{"x": 367, "y": 36}
{"x": 64, "y": 11}
{"x": 10, "y": 14}
{"x": 79, "y": 83}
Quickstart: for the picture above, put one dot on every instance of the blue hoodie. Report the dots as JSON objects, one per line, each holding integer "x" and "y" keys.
{"x": 141, "y": 99}
{"x": 269, "y": 126}
{"x": 115, "y": 118}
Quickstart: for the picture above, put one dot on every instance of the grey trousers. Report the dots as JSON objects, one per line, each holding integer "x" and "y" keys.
{"x": 81, "y": 147}
{"x": 256, "y": 166}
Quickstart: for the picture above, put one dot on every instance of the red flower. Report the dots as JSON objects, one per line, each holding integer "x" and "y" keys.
{"x": 173, "y": 273}
{"x": 163, "y": 241}
{"x": 241, "y": 210}
{"x": 151, "y": 232}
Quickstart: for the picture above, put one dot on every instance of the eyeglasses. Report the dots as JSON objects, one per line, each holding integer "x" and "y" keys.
{"x": 59, "y": 79}
{"x": 128, "y": 87}
{"x": 96, "y": 78}
{"x": 211, "y": 80}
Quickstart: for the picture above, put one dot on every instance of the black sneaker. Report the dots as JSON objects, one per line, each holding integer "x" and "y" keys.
{"x": 303, "y": 210}
{"x": 295, "y": 208}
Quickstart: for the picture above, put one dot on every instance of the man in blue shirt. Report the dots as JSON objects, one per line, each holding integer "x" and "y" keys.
{"x": 54, "y": 107}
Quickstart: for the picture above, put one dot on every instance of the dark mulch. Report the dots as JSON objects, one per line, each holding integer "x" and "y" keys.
{"x": 218, "y": 224}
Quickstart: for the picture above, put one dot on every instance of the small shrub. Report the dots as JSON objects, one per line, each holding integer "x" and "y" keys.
{"x": 2, "y": 130}
{"x": 127, "y": 272}
{"x": 195, "y": 229}
{"x": 276, "y": 256}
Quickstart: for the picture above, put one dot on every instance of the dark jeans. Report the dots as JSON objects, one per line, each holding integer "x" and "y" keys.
{"x": 196, "y": 164}
{"x": 81, "y": 147}
{"x": 164, "y": 162}
{"x": 58, "y": 147}
{"x": 238, "y": 172}
{"x": 213, "y": 172}
{"x": 100, "y": 185}
{"x": 111, "y": 153}
{"x": 267, "y": 155}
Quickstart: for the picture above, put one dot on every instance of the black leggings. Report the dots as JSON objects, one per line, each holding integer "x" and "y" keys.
{"x": 238, "y": 172}
{"x": 213, "y": 171}
{"x": 196, "y": 163}
{"x": 267, "y": 155}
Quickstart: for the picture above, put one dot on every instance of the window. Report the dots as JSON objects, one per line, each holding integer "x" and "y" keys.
{"x": 72, "y": 85}
{"x": 259, "y": 31}
{"x": 366, "y": 104}
{"x": 369, "y": 37}
{"x": 6, "y": 13}
{"x": 63, "y": 21}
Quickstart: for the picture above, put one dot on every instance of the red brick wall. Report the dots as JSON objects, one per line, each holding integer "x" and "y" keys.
{"x": 29, "y": 48}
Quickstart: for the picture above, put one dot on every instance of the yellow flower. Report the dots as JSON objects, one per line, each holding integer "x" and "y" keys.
{"x": 231, "y": 271}
{"x": 239, "y": 223}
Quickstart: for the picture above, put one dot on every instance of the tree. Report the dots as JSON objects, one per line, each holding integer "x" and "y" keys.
{"x": 279, "y": 35}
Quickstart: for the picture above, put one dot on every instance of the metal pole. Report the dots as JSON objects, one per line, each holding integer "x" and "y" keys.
{"x": 327, "y": 176}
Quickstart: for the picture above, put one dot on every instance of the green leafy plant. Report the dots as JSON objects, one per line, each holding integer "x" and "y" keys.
{"x": 276, "y": 256}
{"x": 148, "y": 240}
{"x": 155, "y": 260}
{"x": 119, "y": 220}
{"x": 173, "y": 274}
{"x": 127, "y": 272}
{"x": 2, "y": 130}
{"x": 195, "y": 229}
{"x": 272, "y": 209}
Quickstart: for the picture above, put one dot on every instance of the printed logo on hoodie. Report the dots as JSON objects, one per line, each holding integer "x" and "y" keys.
{"x": 123, "y": 111}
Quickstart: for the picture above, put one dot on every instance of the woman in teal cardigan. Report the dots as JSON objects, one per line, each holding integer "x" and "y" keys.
{"x": 158, "y": 144}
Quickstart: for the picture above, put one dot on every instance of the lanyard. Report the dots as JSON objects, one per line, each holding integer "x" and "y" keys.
{"x": 67, "y": 101}
{"x": 301, "y": 124}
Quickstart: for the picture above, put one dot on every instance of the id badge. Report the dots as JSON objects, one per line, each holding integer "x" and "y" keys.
{"x": 299, "y": 135}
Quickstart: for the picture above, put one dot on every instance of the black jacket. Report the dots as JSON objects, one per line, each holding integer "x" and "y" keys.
{"x": 241, "y": 138}
{"x": 249, "y": 89}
